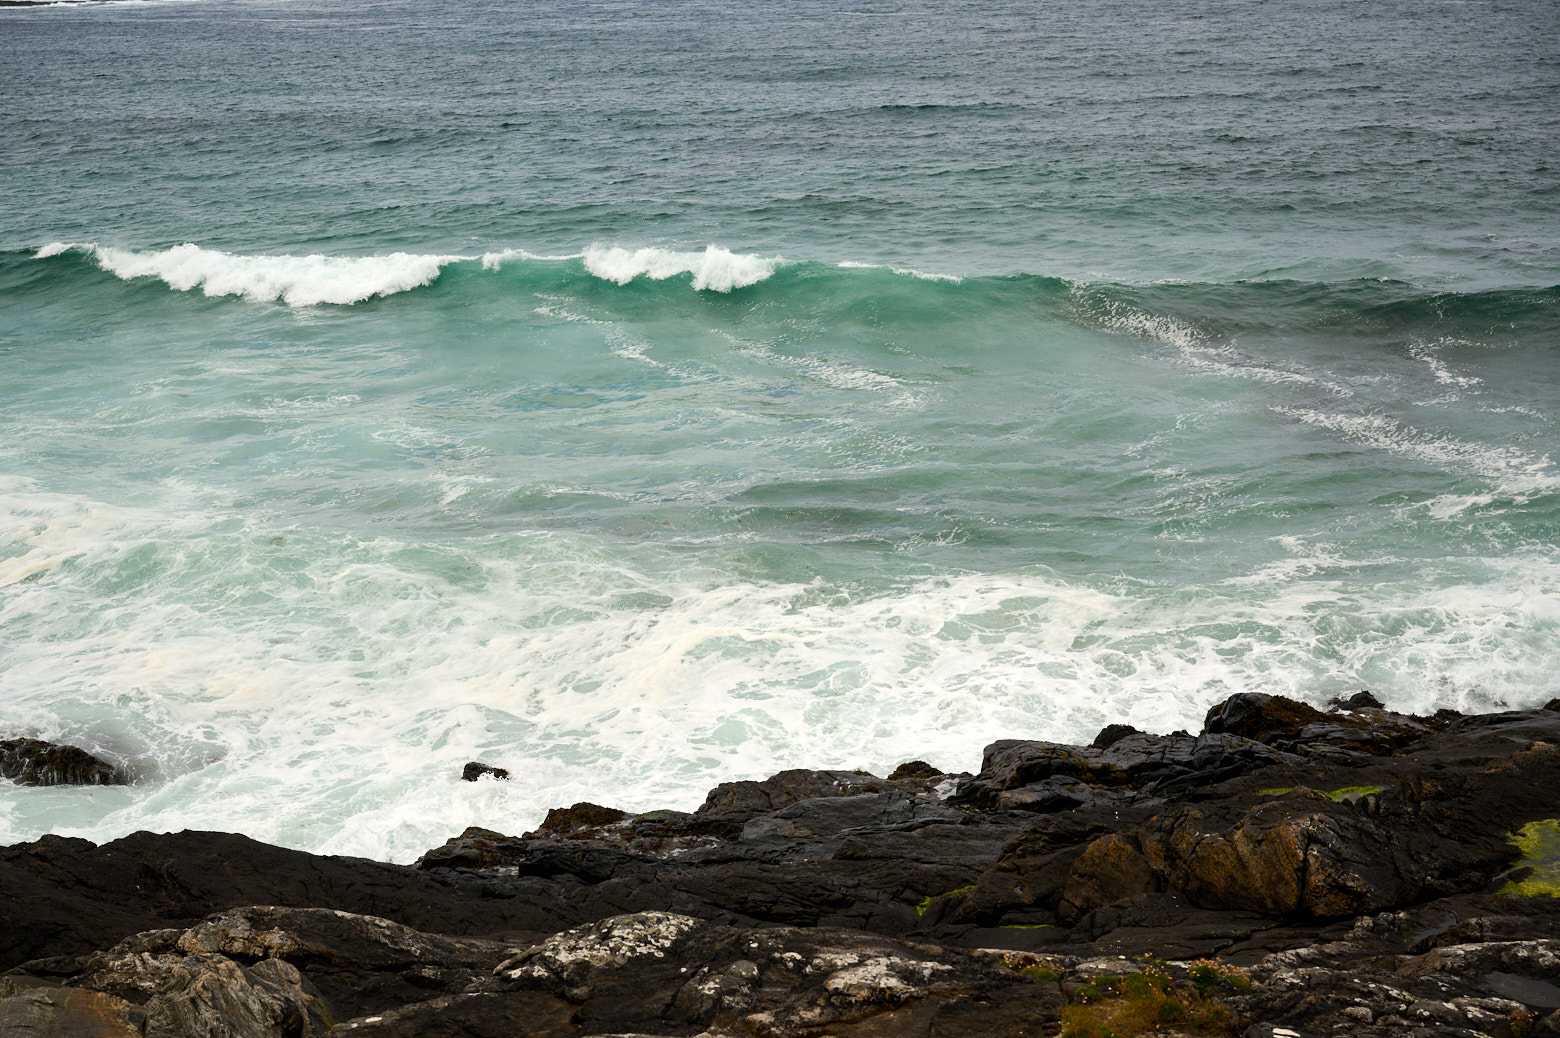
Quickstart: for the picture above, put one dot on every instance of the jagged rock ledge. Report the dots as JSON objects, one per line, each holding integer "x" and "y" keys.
{"x": 1288, "y": 871}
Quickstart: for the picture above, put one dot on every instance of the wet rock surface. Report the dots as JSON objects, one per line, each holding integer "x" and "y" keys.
{"x": 1349, "y": 871}
{"x": 33, "y": 762}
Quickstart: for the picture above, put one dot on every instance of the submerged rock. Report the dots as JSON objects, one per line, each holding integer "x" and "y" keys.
{"x": 33, "y": 762}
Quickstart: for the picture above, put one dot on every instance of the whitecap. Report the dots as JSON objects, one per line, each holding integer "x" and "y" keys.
{"x": 295, "y": 280}
{"x": 715, "y": 269}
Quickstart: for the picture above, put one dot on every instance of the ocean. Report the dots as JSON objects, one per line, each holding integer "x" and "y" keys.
{"x": 643, "y": 395}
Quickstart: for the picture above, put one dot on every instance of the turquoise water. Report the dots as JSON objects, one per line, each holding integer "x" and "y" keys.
{"x": 643, "y": 396}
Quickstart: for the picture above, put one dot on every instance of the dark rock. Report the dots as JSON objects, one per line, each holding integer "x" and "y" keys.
{"x": 33, "y": 762}
{"x": 680, "y": 974}
{"x": 1553, "y": 705}
{"x": 1361, "y": 700}
{"x": 476, "y": 769}
{"x": 914, "y": 770}
{"x": 739, "y": 801}
{"x": 63, "y": 896}
{"x": 1258, "y": 716}
{"x": 361, "y": 964}
{"x": 1146, "y": 765}
{"x": 1111, "y": 734}
{"x": 1359, "y": 866}
{"x": 563, "y": 821}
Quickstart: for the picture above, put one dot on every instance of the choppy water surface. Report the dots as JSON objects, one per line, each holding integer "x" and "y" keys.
{"x": 642, "y": 396}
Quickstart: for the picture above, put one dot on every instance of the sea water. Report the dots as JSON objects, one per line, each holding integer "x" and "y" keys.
{"x": 642, "y": 395}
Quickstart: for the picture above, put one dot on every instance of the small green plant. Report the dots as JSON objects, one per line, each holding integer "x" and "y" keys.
{"x": 1031, "y": 966}
{"x": 1206, "y": 974}
{"x": 926, "y": 902}
{"x": 1143, "y": 1003}
{"x": 1521, "y": 1022}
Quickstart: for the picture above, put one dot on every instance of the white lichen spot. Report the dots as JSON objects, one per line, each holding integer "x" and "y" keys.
{"x": 610, "y": 942}
{"x": 881, "y": 977}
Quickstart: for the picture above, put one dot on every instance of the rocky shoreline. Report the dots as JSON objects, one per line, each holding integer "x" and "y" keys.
{"x": 1287, "y": 872}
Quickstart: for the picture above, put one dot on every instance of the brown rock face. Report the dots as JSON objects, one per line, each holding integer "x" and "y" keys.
{"x": 1300, "y": 854}
{"x": 1110, "y": 869}
{"x": 54, "y": 1012}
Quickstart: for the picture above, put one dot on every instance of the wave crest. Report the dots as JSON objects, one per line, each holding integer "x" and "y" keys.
{"x": 715, "y": 269}
{"x": 294, "y": 280}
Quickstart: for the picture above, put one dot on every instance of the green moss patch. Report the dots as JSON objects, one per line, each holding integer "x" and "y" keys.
{"x": 1141, "y": 1004}
{"x": 927, "y": 901}
{"x": 1344, "y": 794}
{"x": 1539, "y": 843}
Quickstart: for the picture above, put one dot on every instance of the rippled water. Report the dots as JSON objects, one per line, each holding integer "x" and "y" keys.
{"x": 641, "y": 396}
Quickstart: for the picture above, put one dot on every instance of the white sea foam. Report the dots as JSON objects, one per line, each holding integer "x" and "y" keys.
{"x": 902, "y": 271}
{"x": 1197, "y": 351}
{"x": 1511, "y": 471}
{"x": 715, "y": 269}
{"x": 294, "y": 280}
{"x": 494, "y": 260}
{"x": 1426, "y": 352}
{"x": 324, "y": 691}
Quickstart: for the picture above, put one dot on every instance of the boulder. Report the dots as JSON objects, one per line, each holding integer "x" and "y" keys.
{"x": 562, "y": 821}
{"x": 740, "y": 801}
{"x": 1111, "y": 734}
{"x": 914, "y": 771}
{"x": 1260, "y": 717}
{"x": 33, "y": 762}
{"x": 476, "y": 769}
{"x": 1361, "y": 700}
{"x": 172, "y": 996}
